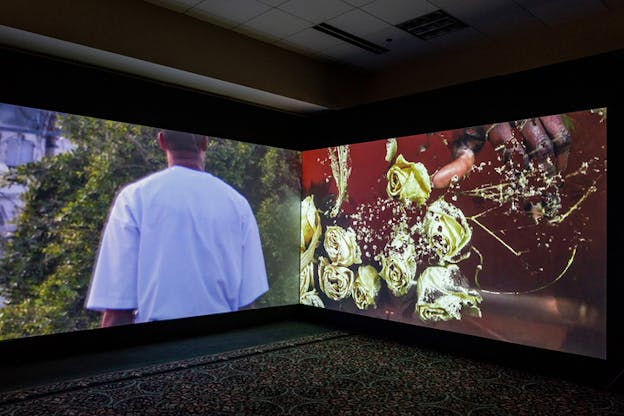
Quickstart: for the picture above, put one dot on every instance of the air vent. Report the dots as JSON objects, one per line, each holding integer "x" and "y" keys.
{"x": 432, "y": 25}
{"x": 348, "y": 37}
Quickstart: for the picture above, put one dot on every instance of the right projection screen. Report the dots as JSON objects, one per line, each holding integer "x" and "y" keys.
{"x": 496, "y": 230}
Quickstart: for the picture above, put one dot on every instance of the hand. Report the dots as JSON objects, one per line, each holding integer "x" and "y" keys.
{"x": 115, "y": 317}
{"x": 544, "y": 141}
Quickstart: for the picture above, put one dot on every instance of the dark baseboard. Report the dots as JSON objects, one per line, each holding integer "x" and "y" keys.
{"x": 54, "y": 346}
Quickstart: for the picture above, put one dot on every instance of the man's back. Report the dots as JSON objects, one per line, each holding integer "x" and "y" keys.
{"x": 178, "y": 243}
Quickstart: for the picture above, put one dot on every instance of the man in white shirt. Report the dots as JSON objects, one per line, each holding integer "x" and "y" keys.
{"x": 178, "y": 243}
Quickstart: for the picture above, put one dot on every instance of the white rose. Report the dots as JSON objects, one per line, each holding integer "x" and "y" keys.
{"x": 334, "y": 280}
{"x": 442, "y": 292}
{"x": 306, "y": 278}
{"x": 312, "y": 298}
{"x": 366, "y": 287}
{"x": 341, "y": 246}
{"x": 408, "y": 181}
{"x": 310, "y": 230}
{"x": 399, "y": 264}
{"x": 447, "y": 231}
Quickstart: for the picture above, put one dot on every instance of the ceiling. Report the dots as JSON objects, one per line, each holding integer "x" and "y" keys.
{"x": 290, "y": 24}
{"x": 271, "y": 53}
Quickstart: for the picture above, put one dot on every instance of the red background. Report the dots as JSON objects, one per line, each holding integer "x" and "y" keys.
{"x": 568, "y": 315}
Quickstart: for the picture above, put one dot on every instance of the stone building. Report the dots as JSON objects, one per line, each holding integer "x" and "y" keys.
{"x": 26, "y": 135}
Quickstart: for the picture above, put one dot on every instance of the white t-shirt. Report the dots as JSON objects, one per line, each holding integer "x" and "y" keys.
{"x": 178, "y": 243}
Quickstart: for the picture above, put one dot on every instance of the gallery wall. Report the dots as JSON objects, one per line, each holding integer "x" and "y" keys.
{"x": 591, "y": 82}
{"x": 54, "y": 84}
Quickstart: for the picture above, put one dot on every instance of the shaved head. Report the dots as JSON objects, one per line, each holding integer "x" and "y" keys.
{"x": 177, "y": 141}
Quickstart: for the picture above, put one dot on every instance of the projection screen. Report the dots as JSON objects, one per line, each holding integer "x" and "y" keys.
{"x": 496, "y": 230}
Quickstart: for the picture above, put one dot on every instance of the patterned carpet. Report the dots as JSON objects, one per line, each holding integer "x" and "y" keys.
{"x": 336, "y": 373}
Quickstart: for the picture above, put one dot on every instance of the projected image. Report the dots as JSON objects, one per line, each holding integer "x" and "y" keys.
{"x": 105, "y": 223}
{"x": 497, "y": 230}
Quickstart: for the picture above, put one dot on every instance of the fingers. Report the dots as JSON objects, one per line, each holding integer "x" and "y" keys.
{"x": 472, "y": 138}
{"x": 500, "y": 134}
{"x": 561, "y": 139}
{"x": 469, "y": 142}
{"x": 456, "y": 169}
{"x": 502, "y": 137}
{"x": 539, "y": 146}
{"x": 544, "y": 140}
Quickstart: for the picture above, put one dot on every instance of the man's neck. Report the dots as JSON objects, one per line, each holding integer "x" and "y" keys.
{"x": 193, "y": 161}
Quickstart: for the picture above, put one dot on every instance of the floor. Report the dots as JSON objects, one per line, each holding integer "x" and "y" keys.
{"x": 28, "y": 375}
{"x": 14, "y": 377}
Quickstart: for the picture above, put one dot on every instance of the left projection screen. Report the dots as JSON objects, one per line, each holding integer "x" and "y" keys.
{"x": 60, "y": 175}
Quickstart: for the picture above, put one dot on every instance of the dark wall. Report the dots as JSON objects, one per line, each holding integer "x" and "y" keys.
{"x": 43, "y": 82}
{"x": 576, "y": 85}
{"x": 40, "y": 348}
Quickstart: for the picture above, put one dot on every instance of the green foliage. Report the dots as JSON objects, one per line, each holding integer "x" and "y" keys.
{"x": 278, "y": 216}
{"x": 269, "y": 178}
{"x": 47, "y": 263}
{"x": 568, "y": 122}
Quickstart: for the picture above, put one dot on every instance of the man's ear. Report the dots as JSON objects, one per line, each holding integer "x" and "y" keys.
{"x": 161, "y": 140}
{"x": 203, "y": 144}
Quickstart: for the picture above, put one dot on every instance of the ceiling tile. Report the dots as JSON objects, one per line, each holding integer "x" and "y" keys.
{"x": 299, "y": 49}
{"x": 395, "y": 40}
{"x": 458, "y": 39}
{"x": 229, "y": 13}
{"x": 356, "y": 57}
{"x": 411, "y": 51}
{"x": 400, "y": 53}
{"x": 399, "y": 11}
{"x": 316, "y": 11}
{"x": 557, "y": 11}
{"x": 492, "y": 17}
{"x": 255, "y": 34}
{"x": 345, "y": 52}
{"x": 310, "y": 39}
{"x": 218, "y": 21}
{"x": 358, "y": 23}
{"x": 276, "y": 24}
{"x": 175, "y": 5}
{"x": 273, "y": 3}
{"x": 359, "y": 58}
{"x": 358, "y": 3}
{"x": 370, "y": 62}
